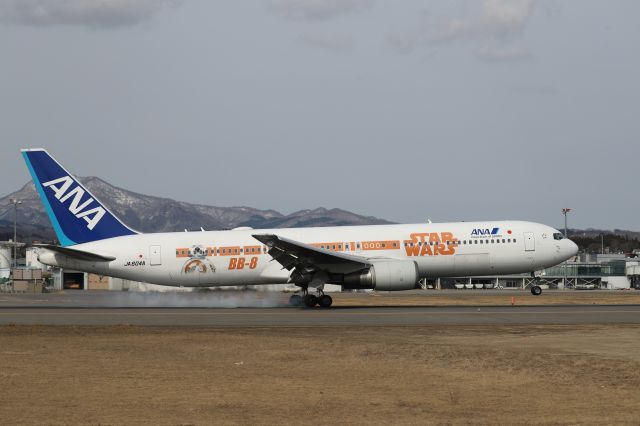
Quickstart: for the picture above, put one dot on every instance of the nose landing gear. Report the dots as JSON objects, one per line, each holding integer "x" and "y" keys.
{"x": 536, "y": 290}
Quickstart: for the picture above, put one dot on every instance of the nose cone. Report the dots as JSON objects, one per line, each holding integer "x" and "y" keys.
{"x": 571, "y": 248}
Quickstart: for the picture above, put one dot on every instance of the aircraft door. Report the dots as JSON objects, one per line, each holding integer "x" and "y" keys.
{"x": 155, "y": 255}
{"x": 529, "y": 242}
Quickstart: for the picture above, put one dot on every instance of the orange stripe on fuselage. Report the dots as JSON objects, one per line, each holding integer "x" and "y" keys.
{"x": 381, "y": 245}
{"x": 229, "y": 251}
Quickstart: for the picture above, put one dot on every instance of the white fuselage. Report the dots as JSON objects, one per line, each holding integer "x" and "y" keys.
{"x": 220, "y": 258}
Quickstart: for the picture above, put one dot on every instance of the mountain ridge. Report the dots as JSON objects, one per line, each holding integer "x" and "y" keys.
{"x": 150, "y": 213}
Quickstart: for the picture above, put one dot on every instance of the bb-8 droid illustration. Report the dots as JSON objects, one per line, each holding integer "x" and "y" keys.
{"x": 197, "y": 262}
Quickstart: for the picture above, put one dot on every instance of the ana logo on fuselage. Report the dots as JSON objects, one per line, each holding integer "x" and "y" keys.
{"x": 485, "y": 231}
{"x": 78, "y": 207}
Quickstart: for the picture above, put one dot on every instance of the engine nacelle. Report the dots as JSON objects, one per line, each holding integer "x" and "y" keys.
{"x": 384, "y": 275}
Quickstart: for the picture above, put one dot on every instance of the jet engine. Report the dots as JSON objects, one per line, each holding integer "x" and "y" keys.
{"x": 385, "y": 275}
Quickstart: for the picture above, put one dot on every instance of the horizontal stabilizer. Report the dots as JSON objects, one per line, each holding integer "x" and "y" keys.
{"x": 77, "y": 254}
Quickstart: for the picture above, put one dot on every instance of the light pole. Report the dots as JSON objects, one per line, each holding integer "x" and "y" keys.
{"x": 15, "y": 203}
{"x": 565, "y": 211}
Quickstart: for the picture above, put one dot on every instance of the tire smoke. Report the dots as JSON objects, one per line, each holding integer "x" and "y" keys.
{"x": 214, "y": 299}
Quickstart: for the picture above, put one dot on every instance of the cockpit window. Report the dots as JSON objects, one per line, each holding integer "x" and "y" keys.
{"x": 558, "y": 236}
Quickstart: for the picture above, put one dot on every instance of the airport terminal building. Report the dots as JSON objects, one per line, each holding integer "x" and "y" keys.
{"x": 613, "y": 272}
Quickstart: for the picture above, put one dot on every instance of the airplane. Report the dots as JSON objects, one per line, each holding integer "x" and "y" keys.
{"x": 380, "y": 257}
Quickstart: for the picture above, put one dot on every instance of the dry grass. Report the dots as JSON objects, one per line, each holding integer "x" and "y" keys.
{"x": 370, "y": 375}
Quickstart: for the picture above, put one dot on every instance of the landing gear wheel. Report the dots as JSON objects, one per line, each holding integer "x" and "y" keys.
{"x": 295, "y": 300}
{"x": 310, "y": 300}
{"x": 325, "y": 301}
{"x": 536, "y": 290}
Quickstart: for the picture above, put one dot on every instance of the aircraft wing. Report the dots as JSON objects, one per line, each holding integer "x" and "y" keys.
{"x": 306, "y": 259}
{"x": 76, "y": 254}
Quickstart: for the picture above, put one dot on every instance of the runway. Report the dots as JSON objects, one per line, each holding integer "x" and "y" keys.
{"x": 98, "y": 310}
{"x": 342, "y": 317}
{"x": 297, "y": 317}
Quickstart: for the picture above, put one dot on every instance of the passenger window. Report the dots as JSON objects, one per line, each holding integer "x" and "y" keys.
{"x": 514, "y": 240}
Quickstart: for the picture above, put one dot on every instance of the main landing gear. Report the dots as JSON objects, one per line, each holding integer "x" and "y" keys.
{"x": 295, "y": 300}
{"x": 311, "y": 300}
{"x": 536, "y": 290}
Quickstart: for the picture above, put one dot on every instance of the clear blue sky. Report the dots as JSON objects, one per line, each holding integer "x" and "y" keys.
{"x": 449, "y": 110}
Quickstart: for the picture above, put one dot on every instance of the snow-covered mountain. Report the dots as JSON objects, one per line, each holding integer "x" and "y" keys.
{"x": 147, "y": 213}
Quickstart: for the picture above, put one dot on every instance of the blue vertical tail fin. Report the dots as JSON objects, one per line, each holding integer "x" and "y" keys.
{"x": 76, "y": 215}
